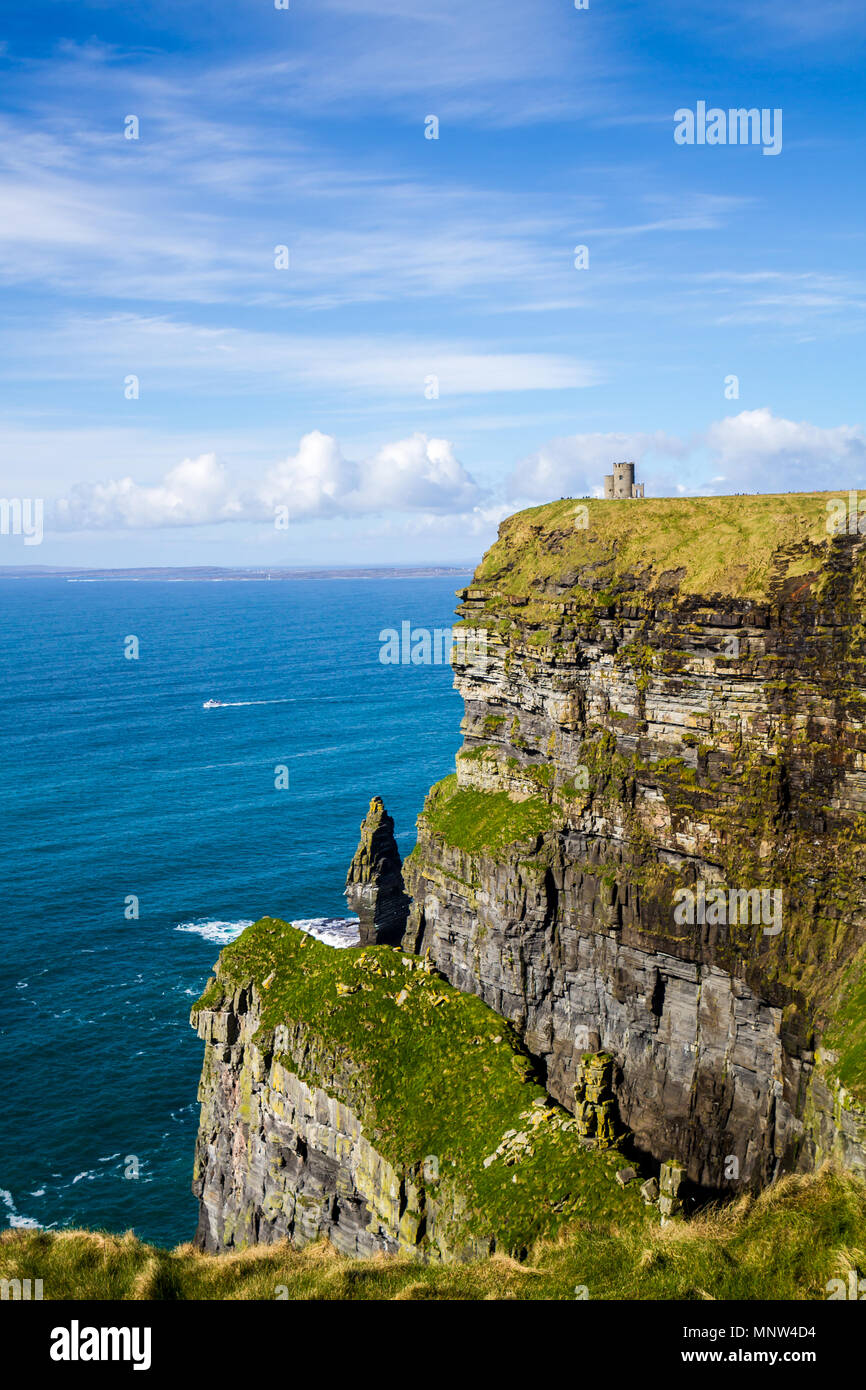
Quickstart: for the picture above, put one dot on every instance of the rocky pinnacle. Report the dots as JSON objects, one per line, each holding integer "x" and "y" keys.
{"x": 374, "y": 884}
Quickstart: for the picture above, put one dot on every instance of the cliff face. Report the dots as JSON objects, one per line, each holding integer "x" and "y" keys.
{"x": 663, "y": 696}
{"x": 644, "y": 889}
{"x": 354, "y": 1094}
{"x": 278, "y": 1158}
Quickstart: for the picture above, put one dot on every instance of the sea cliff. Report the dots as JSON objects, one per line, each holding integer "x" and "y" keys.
{"x": 355, "y": 1094}
{"x": 646, "y": 873}
{"x": 660, "y": 696}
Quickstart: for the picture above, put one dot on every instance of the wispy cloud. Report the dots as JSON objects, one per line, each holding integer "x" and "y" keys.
{"x": 785, "y": 298}
{"x": 169, "y": 353}
{"x": 412, "y": 260}
{"x": 152, "y": 221}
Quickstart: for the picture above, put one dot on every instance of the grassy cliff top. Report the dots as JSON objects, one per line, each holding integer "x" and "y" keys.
{"x": 487, "y": 822}
{"x": 786, "y": 1244}
{"x": 440, "y": 1074}
{"x": 728, "y": 546}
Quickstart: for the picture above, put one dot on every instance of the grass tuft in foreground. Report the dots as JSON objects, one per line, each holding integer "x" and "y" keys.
{"x": 786, "y": 1245}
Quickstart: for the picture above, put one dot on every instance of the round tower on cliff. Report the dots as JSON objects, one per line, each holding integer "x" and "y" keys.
{"x": 623, "y": 479}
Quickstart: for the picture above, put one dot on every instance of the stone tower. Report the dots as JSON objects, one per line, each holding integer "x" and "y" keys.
{"x": 620, "y": 483}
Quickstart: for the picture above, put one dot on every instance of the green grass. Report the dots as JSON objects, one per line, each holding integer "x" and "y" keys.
{"x": 481, "y": 821}
{"x": 847, "y": 1033}
{"x": 493, "y": 722}
{"x": 784, "y": 1245}
{"x": 727, "y": 546}
{"x": 437, "y": 1073}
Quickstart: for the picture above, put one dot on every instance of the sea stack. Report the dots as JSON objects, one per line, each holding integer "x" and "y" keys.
{"x": 374, "y": 884}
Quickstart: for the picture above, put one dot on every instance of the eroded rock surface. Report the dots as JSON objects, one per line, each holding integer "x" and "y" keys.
{"x": 662, "y": 739}
{"x": 281, "y": 1158}
{"x": 374, "y": 885}
{"x": 628, "y": 736}
{"x": 354, "y": 1094}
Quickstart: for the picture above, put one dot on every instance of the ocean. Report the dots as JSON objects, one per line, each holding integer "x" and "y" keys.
{"x": 121, "y": 794}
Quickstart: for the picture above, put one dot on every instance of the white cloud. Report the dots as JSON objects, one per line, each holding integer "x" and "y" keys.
{"x": 754, "y": 451}
{"x": 193, "y": 493}
{"x": 758, "y": 443}
{"x": 421, "y": 477}
{"x": 417, "y": 474}
{"x": 169, "y": 352}
{"x": 576, "y": 464}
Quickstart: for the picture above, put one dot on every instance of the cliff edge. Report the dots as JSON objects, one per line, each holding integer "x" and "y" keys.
{"x": 636, "y": 910}
{"x": 653, "y": 842}
{"x": 355, "y": 1094}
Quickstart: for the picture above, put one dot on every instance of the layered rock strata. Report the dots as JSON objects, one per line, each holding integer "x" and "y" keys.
{"x": 374, "y": 884}
{"x": 644, "y": 885}
{"x": 278, "y": 1158}
{"x": 353, "y": 1094}
{"x": 642, "y": 718}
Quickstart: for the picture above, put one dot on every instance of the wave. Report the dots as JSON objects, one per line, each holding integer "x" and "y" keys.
{"x": 14, "y": 1218}
{"x": 333, "y": 931}
{"x": 221, "y": 933}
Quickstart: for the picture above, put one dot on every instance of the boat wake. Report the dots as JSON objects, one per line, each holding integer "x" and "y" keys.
{"x": 238, "y": 704}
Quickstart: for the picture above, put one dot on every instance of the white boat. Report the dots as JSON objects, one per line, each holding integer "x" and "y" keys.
{"x": 212, "y": 704}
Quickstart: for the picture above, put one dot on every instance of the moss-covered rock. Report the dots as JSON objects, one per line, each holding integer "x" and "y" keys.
{"x": 357, "y": 1094}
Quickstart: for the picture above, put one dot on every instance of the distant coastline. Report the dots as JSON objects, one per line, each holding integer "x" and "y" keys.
{"x": 186, "y": 573}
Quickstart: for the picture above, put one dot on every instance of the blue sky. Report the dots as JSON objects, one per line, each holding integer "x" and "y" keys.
{"x": 309, "y": 387}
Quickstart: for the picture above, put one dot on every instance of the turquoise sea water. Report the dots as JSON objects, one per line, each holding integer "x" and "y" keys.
{"x": 116, "y": 783}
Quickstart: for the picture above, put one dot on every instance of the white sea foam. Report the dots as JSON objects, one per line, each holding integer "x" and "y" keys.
{"x": 334, "y": 931}
{"x": 212, "y": 929}
{"x": 14, "y": 1218}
